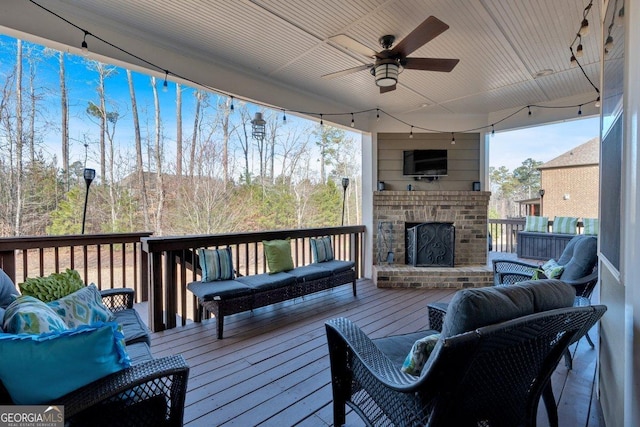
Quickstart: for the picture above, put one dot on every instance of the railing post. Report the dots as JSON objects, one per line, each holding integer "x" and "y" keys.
{"x": 155, "y": 293}
{"x": 8, "y": 264}
{"x": 170, "y": 289}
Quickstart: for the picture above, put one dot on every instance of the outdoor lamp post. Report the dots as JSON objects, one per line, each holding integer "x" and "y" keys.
{"x": 89, "y": 175}
{"x": 541, "y": 200}
{"x": 345, "y": 184}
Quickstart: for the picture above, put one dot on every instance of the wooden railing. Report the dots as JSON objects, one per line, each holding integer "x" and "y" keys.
{"x": 173, "y": 263}
{"x": 108, "y": 260}
{"x": 504, "y": 233}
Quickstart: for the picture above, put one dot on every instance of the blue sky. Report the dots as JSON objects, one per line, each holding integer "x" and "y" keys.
{"x": 541, "y": 143}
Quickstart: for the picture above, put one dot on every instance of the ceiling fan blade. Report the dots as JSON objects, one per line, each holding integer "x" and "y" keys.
{"x": 430, "y": 64}
{"x": 350, "y": 44}
{"x": 385, "y": 89}
{"x": 347, "y": 71}
{"x": 431, "y": 28}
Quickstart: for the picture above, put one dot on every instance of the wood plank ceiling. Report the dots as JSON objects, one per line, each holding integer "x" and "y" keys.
{"x": 501, "y": 46}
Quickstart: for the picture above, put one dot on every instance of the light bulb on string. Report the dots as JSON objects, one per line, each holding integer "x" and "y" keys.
{"x": 529, "y": 108}
{"x": 353, "y": 123}
{"x": 321, "y": 121}
{"x": 493, "y": 130}
{"x": 580, "y": 110}
{"x": 584, "y": 28}
{"x": 608, "y": 45}
{"x": 84, "y": 45}
{"x": 573, "y": 61}
{"x": 411, "y": 132}
{"x": 579, "y": 50}
{"x": 453, "y": 139}
{"x": 165, "y": 86}
{"x": 597, "y": 104}
{"x": 231, "y": 106}
{"x": 377, "y": 114}
{"x": 284, "y": 117}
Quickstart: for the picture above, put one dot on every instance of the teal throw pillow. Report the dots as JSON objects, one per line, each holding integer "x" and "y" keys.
{"x": 38, "y": 369}
{"x": 536, "y": 224}
{"x": 52, "y": 287}
{"x": 29, "y": 315}
{"x": 278, "y": 254}
{"x": 8, "y": 291}
{"x": 419, "y": 354}
{"x": 565, "y": 225}
{"x": 591, "y": 226}
{"x": 82, "y": 307}
{"x": 552, "y": 269}
{"x": 216, "y": 264}
{"x": 321, "y": 249}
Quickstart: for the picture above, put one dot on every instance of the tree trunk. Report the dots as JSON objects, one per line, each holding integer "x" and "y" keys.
{"x": 158, "y": 145}
{"x": 19, "y": 141}
{"x": 178, "y": 130}
{"x": 64, "y": 112}
{"x": 225, "y": 142}
{"x": 139, "y": 161}
{"x": 194, "y": 138}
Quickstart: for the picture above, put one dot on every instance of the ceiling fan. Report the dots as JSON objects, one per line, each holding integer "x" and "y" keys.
{"x": 391, "y": 61}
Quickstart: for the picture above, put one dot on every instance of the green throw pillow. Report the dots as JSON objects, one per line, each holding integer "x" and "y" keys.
{"x": 591, "y": 226}
{"x": 83, "y": 307}
{"x": 278, "y": 253}
{"x": 52, "y": 287}
{"x": 536, "y": 224}
{"x": 419, "y": 354}
{"x": 29, "y": 315}
{"x": 565, "y": 225}
{"x": 552, "y": 269}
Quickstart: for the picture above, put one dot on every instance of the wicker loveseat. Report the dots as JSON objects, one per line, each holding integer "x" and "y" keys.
{"x": 151, "y": 392}
{"x": 490, "y": 365}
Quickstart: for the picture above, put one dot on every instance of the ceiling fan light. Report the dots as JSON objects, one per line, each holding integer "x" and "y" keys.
{"x": 386, "y": 73}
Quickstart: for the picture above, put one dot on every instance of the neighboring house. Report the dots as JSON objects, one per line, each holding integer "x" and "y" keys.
{"x": 571, "y": 182}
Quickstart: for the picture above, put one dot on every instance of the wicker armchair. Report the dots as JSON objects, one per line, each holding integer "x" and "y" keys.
{"x": 465, "y": 380}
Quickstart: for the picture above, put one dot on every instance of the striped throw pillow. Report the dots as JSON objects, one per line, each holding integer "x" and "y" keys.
{"x": 321, "y": 249}
{"x": 591, "y": 226}
{"x": 216, "y": 264}
{"x": 565, "y": 225}
{"x": 537, "y": 224}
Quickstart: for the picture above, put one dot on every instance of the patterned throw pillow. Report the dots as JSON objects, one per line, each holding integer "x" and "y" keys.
{"x": 536, "y": 224}
{"x": 321, "y": 249}
{"x": 29, "y": 315}
{"x": 552, "y": 269}
{"x": 216, "y": 264}
{"x": 52, "y": 287}
{"x": 591, "y": 226}
{"x": 565, "y": 225}
{"x": 278, "y": 253}
{"x": 419, "y": 354}
{"x": 83, "y": 307}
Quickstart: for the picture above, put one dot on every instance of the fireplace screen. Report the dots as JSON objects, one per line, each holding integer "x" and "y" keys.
{"x": 431, "y": 244}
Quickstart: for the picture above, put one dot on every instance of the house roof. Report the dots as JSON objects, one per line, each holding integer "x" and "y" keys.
{"x": 582, "y": 155}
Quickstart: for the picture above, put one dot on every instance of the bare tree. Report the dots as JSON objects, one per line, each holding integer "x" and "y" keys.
{"x": 158, "y": 153}
{"x": 104, "y": 71}
{"x": 199, "y": 95}
{"x": 139, "y": 161}
{"x": 19, "y": 139}
{"x": 64, "y": 116}
{"x": 178, "y": 130}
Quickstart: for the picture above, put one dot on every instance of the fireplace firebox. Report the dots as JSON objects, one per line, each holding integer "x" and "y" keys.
{"x": 430, "y": 244}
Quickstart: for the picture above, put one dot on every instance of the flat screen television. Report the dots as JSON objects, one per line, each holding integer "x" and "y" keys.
{"x": 424, "y": 163}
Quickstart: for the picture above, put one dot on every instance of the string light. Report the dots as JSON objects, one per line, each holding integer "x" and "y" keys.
{"x": 453, "y": 139}
{"x": 84, "y": 45}
{"x": 584, "y": 26}
{"x": 573, "y": 61}
{"x": 597, "y": 104}
{"x": 493, "y": 130}
{"x": 353, "y": 123}
{"x": 284, "y": 117}
{"x": 609, "y": 43}
{"x": 580, "y": 110}
{"x": 579, "y": 52}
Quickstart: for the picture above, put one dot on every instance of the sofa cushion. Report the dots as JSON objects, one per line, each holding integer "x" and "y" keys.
{"x": 309, "y": 272}
{"x": 82, "y": 307}
{"x": 591, "y": 226}
{"x": 53, "y": 286}
{"x": 139, "y": 352}
{"x": 8, "y": 291}
{"x": 579, "y": 260}
{"x": 278, "y": 254}
{"x": 396, "y": 347}
{"x": 220, "y": 290}
{"x": 536, "y": 224}
{"x": 474, "y": 308}
{"x": 216, "y": 264}
{"x": 321, "y": 249}
{"x": 336, "y": 266}
{"x": 133, "y": 328}
{"x": 29, "y": 315}
{"x": 38, "y": 369}
{"x": 268, "y": 281}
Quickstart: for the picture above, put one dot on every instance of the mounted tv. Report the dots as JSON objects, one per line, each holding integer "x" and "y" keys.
{"x": 424, "y": 163}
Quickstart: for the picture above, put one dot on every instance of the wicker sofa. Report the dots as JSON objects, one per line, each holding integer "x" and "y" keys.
{"x": 151, "y": 392}
{"x": 225, "y": 297}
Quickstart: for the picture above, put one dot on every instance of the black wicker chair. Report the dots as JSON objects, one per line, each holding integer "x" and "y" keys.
{"x": 491, "y": 376}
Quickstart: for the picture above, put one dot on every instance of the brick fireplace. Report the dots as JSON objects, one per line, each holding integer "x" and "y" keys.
{"x": 467, "y": 210}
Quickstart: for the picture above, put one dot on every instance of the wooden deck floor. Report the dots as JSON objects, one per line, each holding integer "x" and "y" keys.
{"x": 272, "y": 367}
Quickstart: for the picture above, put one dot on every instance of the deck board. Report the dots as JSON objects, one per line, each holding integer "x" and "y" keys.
{"x": 272, "y": 367}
